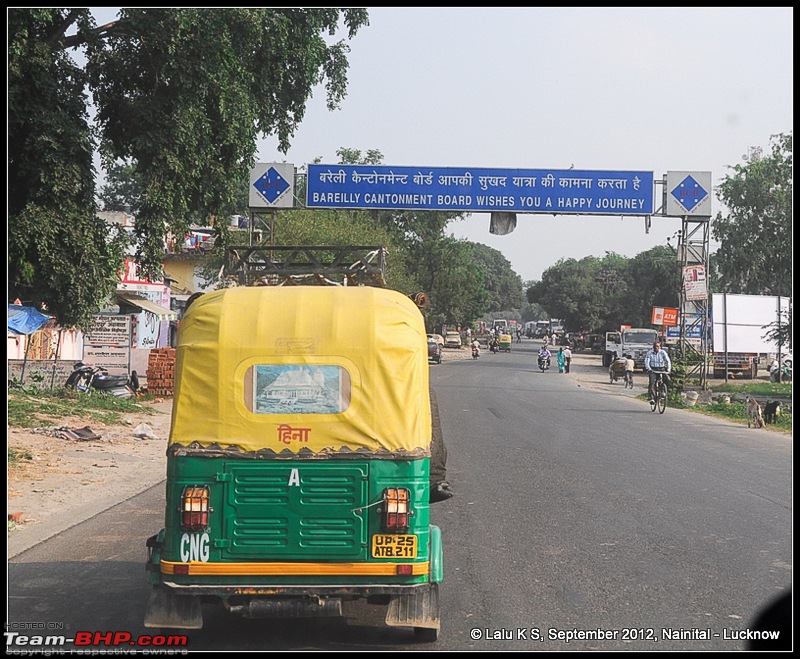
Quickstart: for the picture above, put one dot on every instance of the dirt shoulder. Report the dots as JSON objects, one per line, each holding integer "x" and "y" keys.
{"x": 66, "y": 481}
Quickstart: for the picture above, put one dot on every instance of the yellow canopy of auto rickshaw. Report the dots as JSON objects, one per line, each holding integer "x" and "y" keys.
{"x": 302, "y": 370}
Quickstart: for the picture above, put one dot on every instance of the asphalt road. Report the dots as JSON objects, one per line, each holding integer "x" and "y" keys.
{"x": 577, "y": 513}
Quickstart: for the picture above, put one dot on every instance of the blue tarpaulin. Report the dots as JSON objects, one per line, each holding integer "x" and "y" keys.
{"x": 25, "y": 320}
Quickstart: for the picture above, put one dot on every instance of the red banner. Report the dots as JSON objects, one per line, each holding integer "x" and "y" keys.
{"x": 665, "y": 316}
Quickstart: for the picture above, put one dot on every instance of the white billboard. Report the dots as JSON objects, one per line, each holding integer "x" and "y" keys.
{"x": 739, "y": 322}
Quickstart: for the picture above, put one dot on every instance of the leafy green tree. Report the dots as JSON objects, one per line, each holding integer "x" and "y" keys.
{"x": 653, "y": 280}
{"x": 573, "y": 291}
{"x": 122, "y": 190}
{"x": 503, "y": 285}
{"x": 61, "y": 256}
{"x": 181, "y": 93}
{"x": 755, "y": 237}
{"x": 529, "y": 312}
{"x": 780, "y": 331}
{"x": 599, "y": 294}
{"x": 455, "y": 285}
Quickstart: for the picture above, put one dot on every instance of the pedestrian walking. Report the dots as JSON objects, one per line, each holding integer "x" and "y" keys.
{"x": 567, "y": 358}
{"x": 561, "y": 360}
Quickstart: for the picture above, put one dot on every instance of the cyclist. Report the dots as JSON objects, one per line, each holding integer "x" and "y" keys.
{"x": 656, "y": 360}
{"x": 617, "y": 368}
{"x": 630, "y": 365}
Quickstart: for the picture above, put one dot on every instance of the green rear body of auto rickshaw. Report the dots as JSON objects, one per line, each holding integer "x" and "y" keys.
{"x": 298, "y": 461}
{"x": 504, "y": 343}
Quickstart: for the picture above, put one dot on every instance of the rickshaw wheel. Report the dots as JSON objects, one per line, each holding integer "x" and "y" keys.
{"x": 426, "y": 634}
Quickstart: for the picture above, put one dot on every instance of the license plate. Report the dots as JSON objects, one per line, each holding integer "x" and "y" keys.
{"x": 394, "y": 546}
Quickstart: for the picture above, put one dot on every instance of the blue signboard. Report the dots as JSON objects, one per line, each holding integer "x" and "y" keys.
{"x": 689, "y": 193}
{"x": 552, "y": 191}
{"x": 692, "y": 332}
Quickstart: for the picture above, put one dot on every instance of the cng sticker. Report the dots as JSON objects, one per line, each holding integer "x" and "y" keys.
{"x": 194, "y": 547}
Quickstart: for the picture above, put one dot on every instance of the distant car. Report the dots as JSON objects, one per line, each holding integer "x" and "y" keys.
{"x": 436, "y": 337}
{"x": 434, "y": 352}
{"x": 452, "y": 340}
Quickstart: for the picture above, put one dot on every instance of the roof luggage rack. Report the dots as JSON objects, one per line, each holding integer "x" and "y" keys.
{"x": 327, "y": 265}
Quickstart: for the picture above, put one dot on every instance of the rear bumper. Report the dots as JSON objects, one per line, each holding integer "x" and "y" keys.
{"x": 304, "y": 569}
{"x": 341, "y": 575}
{"x": 339, "y": 591}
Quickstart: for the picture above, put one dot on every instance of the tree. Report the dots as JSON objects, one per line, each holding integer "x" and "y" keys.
{"x": 503, "y": 285}
{"x": 574, "y": 291}
{"x": 599, "y": 294}
{"x": 653, "y": 281}
{"x": 123, "y": 189}
{"x": 780, "y": 330}
{"x": 181, "y": 94}
{"x": 61, "y": 256}
{"x": 755, "y": 252}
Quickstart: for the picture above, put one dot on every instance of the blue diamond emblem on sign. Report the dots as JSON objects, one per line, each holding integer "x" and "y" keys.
{"x": 271, "y": 185}
{"x": 689, "y": 193}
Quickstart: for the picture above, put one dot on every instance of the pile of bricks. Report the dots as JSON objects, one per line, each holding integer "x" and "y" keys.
{"x": 161, "y": 372}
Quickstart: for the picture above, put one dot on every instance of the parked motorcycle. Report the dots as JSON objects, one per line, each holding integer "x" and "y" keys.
{"x": 85, "y": 377}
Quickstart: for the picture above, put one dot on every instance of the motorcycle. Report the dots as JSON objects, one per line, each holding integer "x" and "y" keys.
{"x": 87, "y": 378}
{"x": 475, "y": 352}
{"x": 544, "y": 363}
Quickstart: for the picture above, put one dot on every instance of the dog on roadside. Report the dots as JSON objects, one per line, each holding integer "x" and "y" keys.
{"x": 755, "y": 418}
{"x": 772, "y": 410}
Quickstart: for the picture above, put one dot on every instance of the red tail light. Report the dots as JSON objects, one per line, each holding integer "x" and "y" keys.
{"x": 396, "y": 502}
{"x": 194, "y": 508}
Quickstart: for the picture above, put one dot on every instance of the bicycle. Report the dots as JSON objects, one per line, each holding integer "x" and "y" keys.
{"x": 659, "y": 393}
{"x": 628, "y": 380}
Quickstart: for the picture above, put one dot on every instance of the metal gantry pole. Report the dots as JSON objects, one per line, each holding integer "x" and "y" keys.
{"x": 693, "y": 251}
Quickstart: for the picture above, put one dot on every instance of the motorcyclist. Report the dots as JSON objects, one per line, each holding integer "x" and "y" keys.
{"x": 476, "y": 346}
{"x": 544, "y": 355}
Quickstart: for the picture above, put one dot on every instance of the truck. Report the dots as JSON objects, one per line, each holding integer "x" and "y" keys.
{"x": 542, "y": 328}
{"x": 739, "y": 331}
{"x": 737, "y": 364}
{"x": 501, "y": 325}
{"x": 633, "y": 341}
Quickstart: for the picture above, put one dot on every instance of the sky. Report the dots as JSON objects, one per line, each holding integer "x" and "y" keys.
{"x": 639, "y": 89}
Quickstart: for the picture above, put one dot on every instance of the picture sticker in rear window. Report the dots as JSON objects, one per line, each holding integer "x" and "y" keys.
{"x": 295, "y": 389}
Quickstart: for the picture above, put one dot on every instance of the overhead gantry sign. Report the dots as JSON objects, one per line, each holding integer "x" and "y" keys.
{"x": 551, "y": 191}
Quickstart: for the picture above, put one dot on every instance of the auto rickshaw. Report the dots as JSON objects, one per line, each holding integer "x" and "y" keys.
{"x": 298, "y": 460}
{"x": 504, "y": 343}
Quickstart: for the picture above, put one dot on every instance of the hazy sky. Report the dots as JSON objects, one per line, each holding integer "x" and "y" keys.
{"x": 599, "y": 88}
